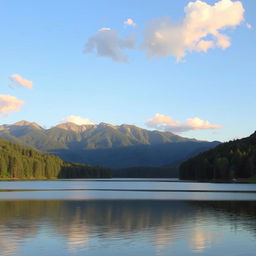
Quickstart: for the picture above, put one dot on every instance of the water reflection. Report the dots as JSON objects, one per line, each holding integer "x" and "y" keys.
{"x": 99, "y": 227}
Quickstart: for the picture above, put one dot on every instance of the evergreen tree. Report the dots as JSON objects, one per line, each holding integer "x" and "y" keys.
{"x": 234, "y": 159}
{"x": 18, "y": 162}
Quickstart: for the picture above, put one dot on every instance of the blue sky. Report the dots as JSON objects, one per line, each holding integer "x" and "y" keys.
{"x": 44, "y": 42}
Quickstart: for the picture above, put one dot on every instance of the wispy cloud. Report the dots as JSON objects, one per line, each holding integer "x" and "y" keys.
{"x": 104, "y": 29}
{"x": 18, "y": 80}
{"x": 9, "y": 103}
{"x": 201, "y": 29}
{"x": 166, "y": 123}
{"x": 76, "y": 120}
{"x": 249, "y": 26}
{"x": 130, "y": 22}
{"x": 106, "y": 43}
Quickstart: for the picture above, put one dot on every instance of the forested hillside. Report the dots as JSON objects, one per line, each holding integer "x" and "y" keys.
{"x": 18, "y": 162}
{"x": 234, "y": 159}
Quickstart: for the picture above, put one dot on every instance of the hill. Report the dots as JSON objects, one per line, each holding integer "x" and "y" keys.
{"x": 105, "y": 144}
{"x": 17, "y": 162}
{"x": 234, "y": 159}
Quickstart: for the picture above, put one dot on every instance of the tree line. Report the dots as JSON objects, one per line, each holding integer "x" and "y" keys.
{"x": 231, "y": 160}
{"x": 146, "y": 172}
{"x": 17, "y": 162}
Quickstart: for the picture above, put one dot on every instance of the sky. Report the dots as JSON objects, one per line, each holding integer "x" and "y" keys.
{"x": 182, "y": 66}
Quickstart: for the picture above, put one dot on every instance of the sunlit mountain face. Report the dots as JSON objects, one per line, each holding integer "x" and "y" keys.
{"x": 105, "y": 144}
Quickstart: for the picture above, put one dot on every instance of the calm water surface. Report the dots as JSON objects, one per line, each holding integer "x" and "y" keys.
{"x": 126, "y": 218}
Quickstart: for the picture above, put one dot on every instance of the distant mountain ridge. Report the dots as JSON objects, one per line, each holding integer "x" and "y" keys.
{"x": 105, "y": 144}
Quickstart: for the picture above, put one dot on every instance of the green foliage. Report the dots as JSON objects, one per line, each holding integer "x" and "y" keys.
{"x": 234, "y": 159}
{"x": 73, "y": 170}
{"x": 17, "y": 162}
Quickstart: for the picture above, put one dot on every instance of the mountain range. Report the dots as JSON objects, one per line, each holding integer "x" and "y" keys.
{"x": 105, "y": 144}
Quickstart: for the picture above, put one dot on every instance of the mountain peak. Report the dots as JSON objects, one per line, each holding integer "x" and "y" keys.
{"x": 106, "y": 125}
{"x": 22, "y": 123}
{"x": 26, "y": 123}
{"x": 69, "y": 126}
{"x": 130, "y": 126}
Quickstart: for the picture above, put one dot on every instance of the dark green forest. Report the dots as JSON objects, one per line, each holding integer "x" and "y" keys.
{"x": 146, "y": 172}
{"x": 232, "y": 160}
{"x": 17, "y": 162}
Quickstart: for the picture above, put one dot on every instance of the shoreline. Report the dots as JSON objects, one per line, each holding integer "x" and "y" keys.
{"x": 237, "y": 181}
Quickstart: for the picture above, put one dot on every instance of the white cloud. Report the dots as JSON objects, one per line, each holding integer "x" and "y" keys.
{"x": 166, "y": 123}
{"x": 9, "y": 103}
{"x": 21, "y": 81}
{"x": 130, "y": 22}
{"x": 104, "y": 29}
{"x": 201, "y": 29}
{"x": 107, "y": 43}
{"x": 249, "y": 26}
{"x": 76, "y": 120}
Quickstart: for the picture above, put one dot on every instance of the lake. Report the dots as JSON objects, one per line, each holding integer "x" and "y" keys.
{"x": 126, "y": 217}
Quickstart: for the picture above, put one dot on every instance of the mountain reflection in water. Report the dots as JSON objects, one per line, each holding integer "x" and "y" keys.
{"x": 126, "y": 227}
